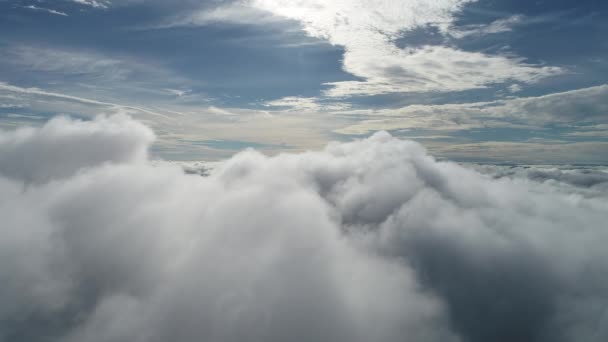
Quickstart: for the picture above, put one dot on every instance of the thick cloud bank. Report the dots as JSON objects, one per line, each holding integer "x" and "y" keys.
{"x": 366, "y": 241}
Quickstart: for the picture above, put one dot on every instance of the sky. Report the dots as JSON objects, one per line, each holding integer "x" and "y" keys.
{"x": 472, "y": 80}
{"x": 303, "y": 170}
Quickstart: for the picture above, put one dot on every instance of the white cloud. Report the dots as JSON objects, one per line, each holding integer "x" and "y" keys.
{"x": 367, "y": 31}
{"x": 48, "y": 10}
{"x": 388, "y": 69}
{"x": 515, "y": 88}
{"x": 366, "y": 241}
{"x": 231, "y": 12}
{"x": 295, "y": 103}
{"x": 305, "y": 104}
{"x": 62, "y": 146}
{"x": 94, "y": 3}
{"x": 497, "y": 26}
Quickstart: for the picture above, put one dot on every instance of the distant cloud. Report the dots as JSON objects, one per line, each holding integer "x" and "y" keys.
{"x": 372, "y": 240}
{"x": 94, "y": 3}
{"x": 303, "y": 104}
{"x": 497, "y": 26}
{"x": 39, "y": 92}
{"x": 575, "y": 107}
{"x": 515, "y": 88}
{"x": 550, "y": 152}
{"x": 48, "y": 10}
{"x": 66, "y": 62}
{"x": 587, "y": 181}
{"x": 230, "y": 12}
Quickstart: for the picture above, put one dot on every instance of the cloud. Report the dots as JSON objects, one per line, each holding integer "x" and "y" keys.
{"x": 48, "y": 10}
{"x": 515, "y": 88}
{"x": 230, "y": 12}
{"x": 43, "y": 93}
{"x": 543, "y": 152}
{"x": 103, "y": 4}
{"x": 295, "y": 103}
{"x": 110, "y": 75}
{"x": 305, "y": 104}
{"x": 372, "y": 240}
{"x": 66, "y": 63}
{"x": 497, "y": 26}
{"x": 588, "y": 181}
{"x": 181, "y": 128}
{"x": 582, "y": 107}
{"x": 368, "y": 30}
{"x": 62, "y": 147}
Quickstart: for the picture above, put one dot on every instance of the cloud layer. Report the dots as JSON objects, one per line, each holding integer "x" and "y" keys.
{"x": 582, "y": 109}
{"x": 372, "y": 240}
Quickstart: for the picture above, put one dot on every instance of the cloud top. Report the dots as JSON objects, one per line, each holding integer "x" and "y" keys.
{"x": 371, "y": 240}
{"x": 63, "y": 146}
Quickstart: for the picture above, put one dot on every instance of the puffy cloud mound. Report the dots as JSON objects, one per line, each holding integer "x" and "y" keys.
{"x": 372, "y": 240}
{"x": 62, "y": 147}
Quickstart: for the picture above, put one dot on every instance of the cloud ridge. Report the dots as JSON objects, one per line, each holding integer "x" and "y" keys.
{"x": 372, "y": 240}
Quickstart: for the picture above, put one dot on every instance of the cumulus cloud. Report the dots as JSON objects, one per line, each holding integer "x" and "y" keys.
{"x": 372, "y": 240}
{"x": 62, "y": 147}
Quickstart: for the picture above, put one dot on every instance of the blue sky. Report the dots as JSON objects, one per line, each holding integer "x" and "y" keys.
{"x": 487, "y": 80}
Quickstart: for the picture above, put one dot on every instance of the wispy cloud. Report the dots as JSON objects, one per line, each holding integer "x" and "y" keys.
{"x": 94, "y": 3}
{"x": 497, "y": 26}
{"x": 36, "y": 91}
{"x": 231, "y": 12}
{"x": 48, "y": 10}
{"x": 306, "y": 104}
{"x": 109, "y": 75}
{"x": 66, "y": 62}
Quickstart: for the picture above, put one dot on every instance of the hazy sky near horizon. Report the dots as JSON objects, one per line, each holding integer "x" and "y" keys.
{"x": 486, "y": 80}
